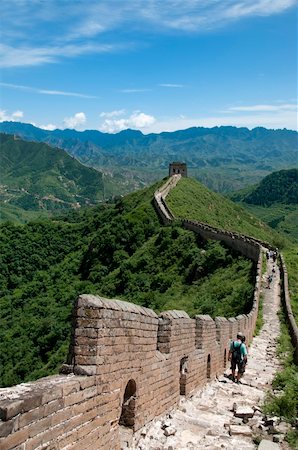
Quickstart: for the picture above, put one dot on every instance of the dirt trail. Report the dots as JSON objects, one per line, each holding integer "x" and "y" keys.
{"x": 207, "y": 420}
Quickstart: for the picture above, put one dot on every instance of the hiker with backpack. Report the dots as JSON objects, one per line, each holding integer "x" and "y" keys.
{"x": 238, "y": 357}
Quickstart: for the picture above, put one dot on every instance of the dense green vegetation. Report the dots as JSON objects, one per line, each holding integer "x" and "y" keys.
{"x": 117, "y": 250}
{"x": 223, "y": 158}
{"x": 278, "y": 187}
{"x": 36, "y": 177}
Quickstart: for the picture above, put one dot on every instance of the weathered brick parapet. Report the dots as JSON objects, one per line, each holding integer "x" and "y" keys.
{"x": 136, "y": 366}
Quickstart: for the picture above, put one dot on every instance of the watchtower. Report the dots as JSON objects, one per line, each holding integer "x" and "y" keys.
{"x": 177, "y": 168}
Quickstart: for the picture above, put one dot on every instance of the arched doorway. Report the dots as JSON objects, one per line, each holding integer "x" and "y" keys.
{"x": 127, "y": 418}
{"x": 183, "y": 372}
{"x": 209, "y": 367}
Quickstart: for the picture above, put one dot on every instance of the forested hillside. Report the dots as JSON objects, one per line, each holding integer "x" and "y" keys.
{"x": 274, "y": 200}
{"x": 278, "y": 187}
{"x": 118, "y": 250}
{"x": 223, "y": 158}
{"x": 37, "y": 177}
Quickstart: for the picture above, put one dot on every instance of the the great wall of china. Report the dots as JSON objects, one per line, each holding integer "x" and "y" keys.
{"x": 126, "y": 365}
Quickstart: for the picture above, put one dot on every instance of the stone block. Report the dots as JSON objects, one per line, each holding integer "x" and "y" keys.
{"x": 14, "y": 439}
{"x": 31, "y": 416}
{"x": 70, "y": 387}
{"x": 244, "y": 411}
{"x": 39, "y": 426}
{"x": 268, "y": 445}
{"x": 243, "y": 430}
{"x": 10, "y": 408}
{"x": 6, "y": 427}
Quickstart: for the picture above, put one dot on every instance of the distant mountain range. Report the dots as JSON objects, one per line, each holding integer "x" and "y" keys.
{"x": 223, "y": 158}
{"x": 35, "y": 176}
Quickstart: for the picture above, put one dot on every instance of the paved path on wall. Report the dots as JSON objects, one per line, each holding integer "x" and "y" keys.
{"x": 207, "y": 420}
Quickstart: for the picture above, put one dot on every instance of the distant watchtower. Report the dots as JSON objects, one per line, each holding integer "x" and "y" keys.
{"x": 177, "y": 167}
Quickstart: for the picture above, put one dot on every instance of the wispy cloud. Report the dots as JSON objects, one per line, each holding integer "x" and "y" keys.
{"x": 11, "y": 56}
{"x": 45, "y": 91}
{"x": 132, "y": 91}
{"x": 171, "y": 85}
{"x": 90, "y": 27}
{"x": 266, "y": 108}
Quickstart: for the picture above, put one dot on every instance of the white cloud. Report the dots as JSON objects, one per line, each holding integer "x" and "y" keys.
{"x": 137, "y": 120}
{"x": 49, "y": 127}
{"x": 116, "y": 113}
{"x": 13, "y": 117}
{"x": 75, "y": 121}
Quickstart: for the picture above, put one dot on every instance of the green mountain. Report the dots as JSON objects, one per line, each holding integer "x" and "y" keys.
{"x": 274, "y": 200}
{"x": 118, "y": 250}
{"x": 37, "y": 177}
{"x": 278, "y": 187}
{"x": 223, "y": 158}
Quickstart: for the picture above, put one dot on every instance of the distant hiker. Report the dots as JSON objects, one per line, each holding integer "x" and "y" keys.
{"x": 238, "y": 357}
{"x": 267, "y": 255}
{"x": 274, "y": 256}
{"x": 269, "y": 280}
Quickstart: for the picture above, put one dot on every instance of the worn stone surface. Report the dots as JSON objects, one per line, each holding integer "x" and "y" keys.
{"x": 206, "y": 420}
{"x": 268, "y": 445}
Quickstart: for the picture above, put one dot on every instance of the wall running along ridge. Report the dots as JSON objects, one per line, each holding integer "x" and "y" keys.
{"x": 125, "y": 364}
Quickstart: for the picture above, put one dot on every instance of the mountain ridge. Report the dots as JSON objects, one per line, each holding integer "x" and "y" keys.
{"x": 35, "y": 176}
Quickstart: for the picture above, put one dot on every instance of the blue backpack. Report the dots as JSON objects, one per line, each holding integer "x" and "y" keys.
{"x": 236, "y": 355}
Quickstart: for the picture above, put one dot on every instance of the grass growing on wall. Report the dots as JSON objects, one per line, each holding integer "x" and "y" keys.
{"x": 260, "y": 319}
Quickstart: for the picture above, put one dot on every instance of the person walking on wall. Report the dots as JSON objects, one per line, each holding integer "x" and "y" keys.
{"x": 238, "y": 357}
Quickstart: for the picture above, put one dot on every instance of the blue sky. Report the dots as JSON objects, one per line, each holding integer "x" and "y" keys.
{"x": 153, "y": 65}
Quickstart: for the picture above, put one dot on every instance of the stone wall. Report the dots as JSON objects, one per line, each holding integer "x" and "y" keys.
{"x": 162, "y": 208}
{"x": 125, "y": 364}
{"x": 287, "y": 307}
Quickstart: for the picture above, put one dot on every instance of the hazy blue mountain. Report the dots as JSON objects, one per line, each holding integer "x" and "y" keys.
{"x": 223, "y": 158}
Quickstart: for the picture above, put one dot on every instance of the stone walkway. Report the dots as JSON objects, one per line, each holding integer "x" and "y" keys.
{"x": 208, "y": 419}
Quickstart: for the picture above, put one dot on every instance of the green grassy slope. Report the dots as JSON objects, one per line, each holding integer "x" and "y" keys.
{"x": 191, "y": 200}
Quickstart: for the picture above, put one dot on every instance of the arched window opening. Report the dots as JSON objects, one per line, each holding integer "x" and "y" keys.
{"x": 183, "y": 374}
{"x": 225, "y": 358}
{"x": 209, "y": 367}
{"x": 127, "y": 418}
